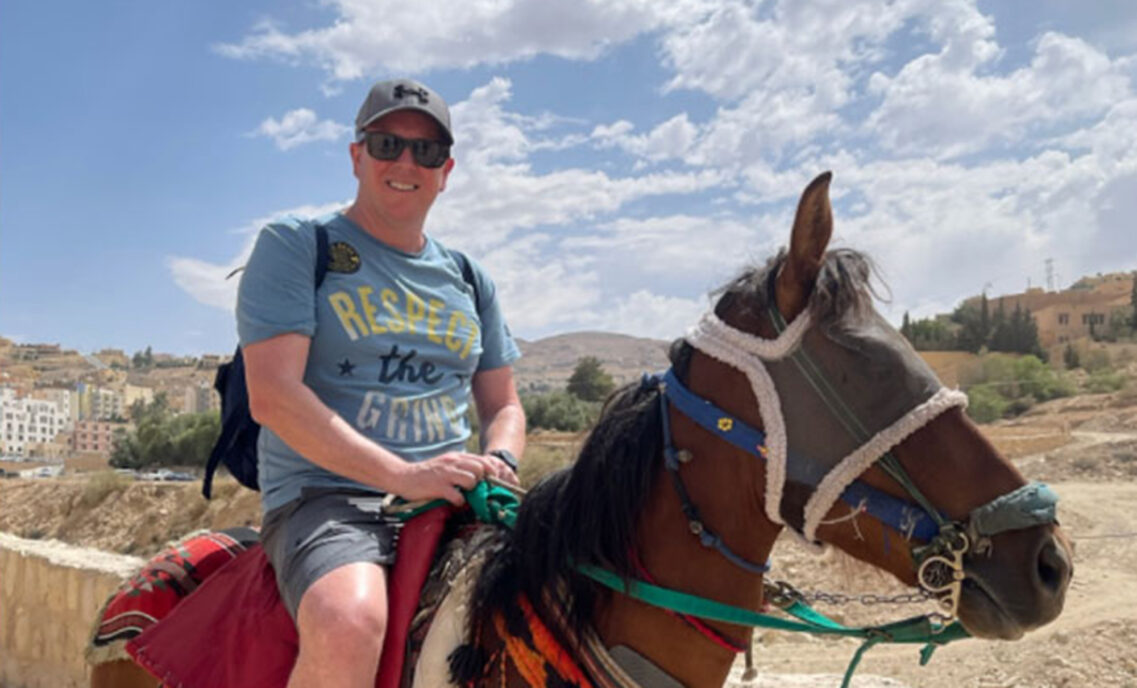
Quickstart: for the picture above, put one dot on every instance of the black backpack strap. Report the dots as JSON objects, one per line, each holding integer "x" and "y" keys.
{"x": 235, "y": 433}
{"x": 321, "y": 254}
{"x": 229, "y": 430}
{"x": 468, "y": 275}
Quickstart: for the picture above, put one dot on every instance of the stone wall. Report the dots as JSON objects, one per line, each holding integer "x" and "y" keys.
{"x": 49, "y": 595}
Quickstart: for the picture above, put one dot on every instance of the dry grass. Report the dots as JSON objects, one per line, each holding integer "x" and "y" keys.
{"x": 543, "y": 457}
{"x": 101, "y": 485}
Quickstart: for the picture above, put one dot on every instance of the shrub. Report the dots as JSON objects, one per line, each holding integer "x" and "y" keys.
{"x": 1095, "y": 360}
{"x": 985, "y": 404}
{"x": 1103, "y": 381}
{"x": 1039, "y": 380}
{"x": 559, "y": 411}
{"x": 101, "y": 485}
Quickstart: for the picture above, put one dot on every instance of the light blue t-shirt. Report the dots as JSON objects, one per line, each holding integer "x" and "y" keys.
{"x": 396, "y": 339}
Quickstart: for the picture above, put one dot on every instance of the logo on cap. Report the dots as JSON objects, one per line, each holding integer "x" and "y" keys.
{"x": 402, "y": 91}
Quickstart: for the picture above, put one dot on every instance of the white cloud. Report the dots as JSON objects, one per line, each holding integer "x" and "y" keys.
{"x": 493, "y": 191}
{"x": 369, "y": 37}
{"x": 542, "y": 289}
{"x": 942, "y": 104}
{"x": 212, "y": 283}
{"x": 678, "y": 246}
{"x": 671, "y": 139}
{"x": 645, "y": 314}
{"x": 298, "y": 127}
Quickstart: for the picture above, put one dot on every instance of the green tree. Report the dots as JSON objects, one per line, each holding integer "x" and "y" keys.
{"x": 161, "y": 438}
{"x": 589, "y": 382}
{"x": 1070, "y": 357}
{"x": 972, "y": 335}
{"x": 985, "y": 317}
{"x": 930, "y": 334}
{"x": 143, "y": 359}
{"x": 1133, "y": 304}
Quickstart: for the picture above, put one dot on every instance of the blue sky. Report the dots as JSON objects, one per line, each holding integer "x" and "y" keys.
{"x": 616, "y": 160}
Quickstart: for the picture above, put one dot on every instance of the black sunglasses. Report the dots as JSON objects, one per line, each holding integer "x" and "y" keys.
{"x": 384, "y": 146}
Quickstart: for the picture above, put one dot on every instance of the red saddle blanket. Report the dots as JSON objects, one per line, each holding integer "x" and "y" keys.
{"x": 234, "y": 630}
{"x": 161, "y": 584}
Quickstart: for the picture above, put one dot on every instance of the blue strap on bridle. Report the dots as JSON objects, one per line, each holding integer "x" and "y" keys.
{"x": 906, "y": 518}
{"x": 707, "y": 537}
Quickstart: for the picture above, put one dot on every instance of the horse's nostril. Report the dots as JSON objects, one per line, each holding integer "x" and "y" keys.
{"x": 1053, "y": 567}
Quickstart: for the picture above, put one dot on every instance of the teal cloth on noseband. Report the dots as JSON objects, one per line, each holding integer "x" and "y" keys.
{"x": 1030, "y": 505}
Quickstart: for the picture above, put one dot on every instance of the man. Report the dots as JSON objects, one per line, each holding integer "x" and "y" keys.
{"x": 362, "y": 385}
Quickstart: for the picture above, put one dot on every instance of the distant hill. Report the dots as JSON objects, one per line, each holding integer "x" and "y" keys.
{"x": 547, "y": 363}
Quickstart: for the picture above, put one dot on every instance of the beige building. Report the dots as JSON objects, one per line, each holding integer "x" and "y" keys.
{"x": 132, "y": 394}
{"x": 99, "y": 403}
{"x": 1064, "y": 316}
{"x": 201, "y": 398}
{"x": 57, "y": 449}
{"x": 115, "y": 358}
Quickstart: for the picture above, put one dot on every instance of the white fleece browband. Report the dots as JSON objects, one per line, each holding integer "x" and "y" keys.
{"x": 746, "y": 352}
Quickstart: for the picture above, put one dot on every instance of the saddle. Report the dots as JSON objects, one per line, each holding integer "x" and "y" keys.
{"x": 251, "y": 638}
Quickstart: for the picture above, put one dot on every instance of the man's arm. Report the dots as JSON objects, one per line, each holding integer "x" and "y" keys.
{"x": 279, "y": 400}
{"x": 500, "y": 413}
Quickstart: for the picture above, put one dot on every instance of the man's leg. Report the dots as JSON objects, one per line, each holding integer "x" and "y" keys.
{"x": 341, "y": 619}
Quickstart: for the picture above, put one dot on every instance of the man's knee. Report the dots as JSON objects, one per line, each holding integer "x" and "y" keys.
{"x": 346, "y": 606}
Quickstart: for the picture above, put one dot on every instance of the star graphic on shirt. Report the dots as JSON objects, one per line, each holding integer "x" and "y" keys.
{"x": 346, "y": 367}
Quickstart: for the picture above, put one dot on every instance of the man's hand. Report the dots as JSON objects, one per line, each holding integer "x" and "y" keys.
{"x": 503, "y": 471}
{"x": 444, "y": 476}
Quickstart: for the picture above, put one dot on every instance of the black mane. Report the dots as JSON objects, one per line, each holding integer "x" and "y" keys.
{"x": 588, "y": 513}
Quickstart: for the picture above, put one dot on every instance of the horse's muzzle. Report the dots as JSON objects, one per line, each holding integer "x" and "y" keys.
{"x": 1018, "y": 585}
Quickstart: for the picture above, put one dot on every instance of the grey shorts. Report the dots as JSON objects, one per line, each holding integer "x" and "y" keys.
{"x": 322, "y": 530}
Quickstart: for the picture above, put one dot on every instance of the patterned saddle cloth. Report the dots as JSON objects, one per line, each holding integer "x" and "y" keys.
{"x": 149, "y": 595}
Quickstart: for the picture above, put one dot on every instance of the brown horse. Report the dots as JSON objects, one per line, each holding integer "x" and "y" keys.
{"x": 656, "y": 495}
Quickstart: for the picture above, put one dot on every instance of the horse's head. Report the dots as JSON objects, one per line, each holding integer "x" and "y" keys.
{"x": 837, "y": 388}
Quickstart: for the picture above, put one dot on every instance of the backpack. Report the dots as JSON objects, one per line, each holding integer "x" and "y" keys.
{"x": 236, "y": 447}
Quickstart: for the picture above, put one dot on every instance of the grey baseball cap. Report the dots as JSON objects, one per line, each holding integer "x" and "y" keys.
{"x": 403, "y": 94}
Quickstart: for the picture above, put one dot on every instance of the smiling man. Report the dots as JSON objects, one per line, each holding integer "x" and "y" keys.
{"x": 361, "y": 382}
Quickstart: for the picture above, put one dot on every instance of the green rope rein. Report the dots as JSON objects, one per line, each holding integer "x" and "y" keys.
{"x": 498, "y": 505}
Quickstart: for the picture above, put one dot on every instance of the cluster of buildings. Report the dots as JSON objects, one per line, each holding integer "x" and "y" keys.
{"x": 1089, "y": 308}
{"x": 57, "y": 404}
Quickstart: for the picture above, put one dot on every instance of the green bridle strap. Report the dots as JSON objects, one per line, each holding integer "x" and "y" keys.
{"x": 498, "y": 504}
{"x": 916, "y": 630}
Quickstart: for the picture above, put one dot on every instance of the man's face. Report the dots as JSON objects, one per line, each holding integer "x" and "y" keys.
{"x": 401, "y": 191}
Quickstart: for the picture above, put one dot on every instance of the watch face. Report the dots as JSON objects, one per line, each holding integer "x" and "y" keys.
{"x": 506, "y": 456}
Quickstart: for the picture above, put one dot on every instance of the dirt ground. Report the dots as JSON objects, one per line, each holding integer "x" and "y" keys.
{"x": 1084, "y": 447}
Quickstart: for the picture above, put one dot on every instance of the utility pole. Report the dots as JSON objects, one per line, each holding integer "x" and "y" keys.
{"x": 1049, "y": 274}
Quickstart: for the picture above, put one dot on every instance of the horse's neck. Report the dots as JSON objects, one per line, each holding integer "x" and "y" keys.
{"x": 675, "y": 559}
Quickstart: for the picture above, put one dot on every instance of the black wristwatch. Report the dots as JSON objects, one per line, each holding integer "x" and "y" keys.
{"x": 506, "y": 456}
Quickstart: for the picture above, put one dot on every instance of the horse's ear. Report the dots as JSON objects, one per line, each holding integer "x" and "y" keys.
{"x": 813, "y": 225}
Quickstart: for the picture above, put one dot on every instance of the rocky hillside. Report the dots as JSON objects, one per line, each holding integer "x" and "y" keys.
{"x": 548, "y": 363}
